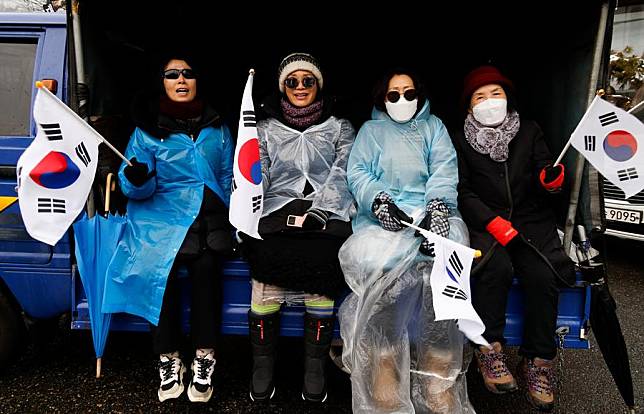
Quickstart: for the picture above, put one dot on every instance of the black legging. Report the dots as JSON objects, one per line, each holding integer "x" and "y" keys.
{"x": 490, "y": 290}
{"x": 205, "y": 308}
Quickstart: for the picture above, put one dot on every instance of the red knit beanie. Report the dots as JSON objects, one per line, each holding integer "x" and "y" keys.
{"x": 481, "y": 76}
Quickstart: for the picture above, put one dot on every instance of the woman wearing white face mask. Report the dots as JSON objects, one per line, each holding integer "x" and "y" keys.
{"x": 402, "y": 168}
{"x": 505, "y": 181}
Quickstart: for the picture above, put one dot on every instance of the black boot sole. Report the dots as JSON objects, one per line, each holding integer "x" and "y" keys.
{"x": 314, "y": 399}
{"x": 262, "y": 397}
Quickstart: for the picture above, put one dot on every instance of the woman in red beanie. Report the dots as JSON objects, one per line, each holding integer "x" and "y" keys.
{"x": 505, "y": 179}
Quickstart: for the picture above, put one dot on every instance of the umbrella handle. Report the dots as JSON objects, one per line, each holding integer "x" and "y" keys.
{"x": 109, "y": 187}
{"x": 98, "y": 367}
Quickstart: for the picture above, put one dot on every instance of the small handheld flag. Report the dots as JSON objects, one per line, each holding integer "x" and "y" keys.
{"x": 246, "y": 199}
{"x": 55, "y": 173}
{"x": 450, "y": 282}
{"x": 612, "y": 140}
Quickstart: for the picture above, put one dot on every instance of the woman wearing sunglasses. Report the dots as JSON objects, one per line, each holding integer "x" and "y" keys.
{"x": 505, "y": 190}
{"x": 402, "y": 168}
{"x": 178, "y": 188}
{"x": 307, "y": 204}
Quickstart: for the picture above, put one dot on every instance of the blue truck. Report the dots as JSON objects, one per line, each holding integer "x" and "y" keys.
{"x": 40, "y": 282}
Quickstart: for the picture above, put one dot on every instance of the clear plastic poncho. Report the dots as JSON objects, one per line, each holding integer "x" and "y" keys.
{"x": 400, "y": 359}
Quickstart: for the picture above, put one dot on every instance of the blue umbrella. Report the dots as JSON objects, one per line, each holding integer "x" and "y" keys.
{"x": 96, "y": 239}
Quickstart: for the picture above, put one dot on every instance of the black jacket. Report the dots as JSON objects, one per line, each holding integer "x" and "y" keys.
{"x": 145, "y": 114}
{"x": 511, "y": 190}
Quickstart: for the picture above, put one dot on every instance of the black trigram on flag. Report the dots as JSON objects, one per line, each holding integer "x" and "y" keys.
{"x": 627, "y": 174}
{"x": 589, "y": 142}
{"x": 82, "y": 153}
{"x": 249, "y": 118}
{"x": 233, "y": 186}
{"x": 456, "y": 264}
{"x": 52, "y": 131}
{"x": 454, "y": 292}
{"x": 51, "y": 205}
{"x": 608, "y": 118}
{"x": 257, "y": 203}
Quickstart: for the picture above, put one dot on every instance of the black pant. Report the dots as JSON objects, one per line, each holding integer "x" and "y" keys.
{"x": 491, "y": 287}
{"x": 205, "y": 308}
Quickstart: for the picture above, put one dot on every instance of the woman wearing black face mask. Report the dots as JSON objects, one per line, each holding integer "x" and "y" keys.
{"x": 505, "y": 179}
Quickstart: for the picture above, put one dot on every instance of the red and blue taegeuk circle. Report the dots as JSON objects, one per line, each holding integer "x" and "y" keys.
{"x": 248, "y": 161}
{"x": 620, "y": 145}
{"x": 56, "y": 170}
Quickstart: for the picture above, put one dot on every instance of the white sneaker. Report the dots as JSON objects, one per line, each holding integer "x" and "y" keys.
{"x": 200, "y": 389}
{"x": 171, "y": 371}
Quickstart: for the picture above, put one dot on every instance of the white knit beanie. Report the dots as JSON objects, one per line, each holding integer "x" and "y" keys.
{"x": 299, "y": 61}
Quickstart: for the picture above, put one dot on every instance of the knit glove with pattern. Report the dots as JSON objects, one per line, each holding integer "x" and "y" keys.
{"x": 388, "y": 213}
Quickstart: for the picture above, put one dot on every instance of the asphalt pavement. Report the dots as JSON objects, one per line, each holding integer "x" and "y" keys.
{"x": 56, "y": 374}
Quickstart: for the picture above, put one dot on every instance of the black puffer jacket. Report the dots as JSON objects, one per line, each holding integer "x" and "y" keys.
{"x": 511, "y": 190}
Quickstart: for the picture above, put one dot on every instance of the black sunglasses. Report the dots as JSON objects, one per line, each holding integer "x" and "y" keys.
{"x": 307, "y": 82}
{"x": 409, "y": 94}
{"x": 175, "y": 73}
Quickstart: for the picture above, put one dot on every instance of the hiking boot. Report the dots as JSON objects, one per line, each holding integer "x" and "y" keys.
{"x": 318, "y": 333}
{"x": 200, "y": 389}
{"x": 443, "y": 402}
{"x": 438, "y": 389}
{"x": 492, "y": 364}
{"x": 539, "y": 375}
{"x": 264, "y": 331}
{"x": 171, "y": 371}
{"x": 386, "y": 384}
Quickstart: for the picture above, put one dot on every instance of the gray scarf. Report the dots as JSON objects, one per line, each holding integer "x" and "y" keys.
{"x": 492, "y": 140}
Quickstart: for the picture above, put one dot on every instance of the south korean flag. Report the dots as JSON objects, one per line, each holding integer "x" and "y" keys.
{"x": 450, "y": 282}
{"x": 55, "y": 173}
{"x": 246, "y": 198}
{"x": 612, "y": 140}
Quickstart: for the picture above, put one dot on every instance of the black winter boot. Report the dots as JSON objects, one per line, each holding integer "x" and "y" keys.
{"x": 264, "y": 331}
{"x": 318, "y": 333}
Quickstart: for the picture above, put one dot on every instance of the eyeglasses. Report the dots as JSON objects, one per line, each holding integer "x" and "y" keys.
{"x": 409, "y": 94}
{"x": 175, "y": 73}
{"x": 307, "y": 82}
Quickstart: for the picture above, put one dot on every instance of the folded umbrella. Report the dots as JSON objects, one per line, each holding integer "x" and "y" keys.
{"x": 96, "y": 239}
{"x": 608, "y": 331}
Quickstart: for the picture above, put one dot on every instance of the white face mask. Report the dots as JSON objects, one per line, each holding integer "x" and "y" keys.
{"x": 491, "y": 112}
{"x": 403, "y": 110}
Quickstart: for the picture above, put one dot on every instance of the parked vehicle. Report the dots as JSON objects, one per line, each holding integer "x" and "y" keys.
{"x": 625, "y": 217}
{"x": 37, "y": 281}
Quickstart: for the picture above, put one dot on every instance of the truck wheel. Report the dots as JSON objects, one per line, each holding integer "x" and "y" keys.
{"x": 12, "y": 331}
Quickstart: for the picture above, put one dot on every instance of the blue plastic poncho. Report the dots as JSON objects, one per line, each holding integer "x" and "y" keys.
{"x": 414, "y": 162}
{"x": 401, "y": 360}
{"x": 161, "y": 211}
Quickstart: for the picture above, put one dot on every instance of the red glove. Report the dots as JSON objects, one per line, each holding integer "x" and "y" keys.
{"x": 552, "y": 177}
{"x": 501, "y": 230}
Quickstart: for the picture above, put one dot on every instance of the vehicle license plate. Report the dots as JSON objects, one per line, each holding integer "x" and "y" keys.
{"x": 623, "y": 215}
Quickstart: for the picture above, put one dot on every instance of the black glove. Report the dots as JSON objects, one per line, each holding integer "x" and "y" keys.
{"x": 315, "y": 219}
{"x": 137, "y": 173}
{"x": 436, "y": 221}
{"x": 388, "y": 213}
